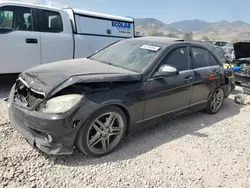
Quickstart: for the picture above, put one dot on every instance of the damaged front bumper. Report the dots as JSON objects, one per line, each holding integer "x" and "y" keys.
{"x": 52, "y": 134}
{"x": 62, "y": 141}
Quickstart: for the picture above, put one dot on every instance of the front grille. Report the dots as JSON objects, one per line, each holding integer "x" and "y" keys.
{"x": 25, "y": 95}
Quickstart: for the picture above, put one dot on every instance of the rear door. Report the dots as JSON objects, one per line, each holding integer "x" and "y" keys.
{"x": 207, "y": 72}
{"x": 56, "y": 35}
{"x": 20, "y": 42}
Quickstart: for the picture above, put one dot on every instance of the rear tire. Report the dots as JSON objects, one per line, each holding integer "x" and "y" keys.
{"x": 215, "y": 102}
{"x": 102, "y": 132}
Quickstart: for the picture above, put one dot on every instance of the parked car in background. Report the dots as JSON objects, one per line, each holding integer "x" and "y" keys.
{"x": 220, "y": 43}
{"x": 228, "y": 48}
{"x": 242, "y": 58}
{"x": 93, "y": 102}
{"x": 35, "y": 34}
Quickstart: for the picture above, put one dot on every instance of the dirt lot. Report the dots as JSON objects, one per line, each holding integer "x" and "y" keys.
{"x": 196, "y": 150}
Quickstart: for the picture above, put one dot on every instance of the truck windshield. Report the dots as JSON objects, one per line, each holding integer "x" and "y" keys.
{"x": 134, "y": 55}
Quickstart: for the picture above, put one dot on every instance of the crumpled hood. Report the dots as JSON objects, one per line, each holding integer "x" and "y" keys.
{"x": 242, "y": 50}
{"x": 47, "y": 78}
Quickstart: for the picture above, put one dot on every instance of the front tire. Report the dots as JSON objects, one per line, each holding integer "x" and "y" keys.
{"x": 215, "y": 102}
{"x": 102, "y": 132}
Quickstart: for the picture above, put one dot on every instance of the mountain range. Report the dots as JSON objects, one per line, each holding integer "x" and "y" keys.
{"x": 223, "y": 30}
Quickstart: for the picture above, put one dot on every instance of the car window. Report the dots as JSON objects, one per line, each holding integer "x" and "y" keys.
{"x": 213, "y": 61}
{"x": 201, "y": 57}
{"x": 220, "y": 52}
{"x": 13, "y": 18}
{"x": 50, "y": 21}
{"x": 178, "y": 58}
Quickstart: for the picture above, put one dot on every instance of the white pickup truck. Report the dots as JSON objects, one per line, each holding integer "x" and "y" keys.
{"x": 33, "y": 34}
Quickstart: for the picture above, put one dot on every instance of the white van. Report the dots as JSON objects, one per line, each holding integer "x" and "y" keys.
{"x": 32, "y": 34}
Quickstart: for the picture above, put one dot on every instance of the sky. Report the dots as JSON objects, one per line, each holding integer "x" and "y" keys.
{"x": 167, "y": 10}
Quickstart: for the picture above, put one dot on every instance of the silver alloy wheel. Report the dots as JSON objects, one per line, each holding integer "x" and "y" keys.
{"x": 217, "y": 100}
{"x": 105, "y": 132}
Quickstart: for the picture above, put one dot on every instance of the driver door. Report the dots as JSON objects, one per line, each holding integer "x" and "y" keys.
{"x": 20, "y": 41}
{"x": 164, "y": 95}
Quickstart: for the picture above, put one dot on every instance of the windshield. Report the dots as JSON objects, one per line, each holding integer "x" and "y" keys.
{"x": 134, "y": 55}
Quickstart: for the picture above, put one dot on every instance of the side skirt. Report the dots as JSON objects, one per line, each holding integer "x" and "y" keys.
{"x": 161, "y": 119}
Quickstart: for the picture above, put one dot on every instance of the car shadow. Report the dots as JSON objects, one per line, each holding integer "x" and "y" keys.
{"x": 139, "y": 143}
{"x": 6, "y": 82}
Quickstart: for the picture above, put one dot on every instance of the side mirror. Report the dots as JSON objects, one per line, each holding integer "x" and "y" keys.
{"x": 167, "y": 70}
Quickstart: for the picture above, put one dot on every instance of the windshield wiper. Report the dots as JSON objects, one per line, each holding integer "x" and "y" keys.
{"x": 108, "y": 63}
{"x": 114, "y": 65}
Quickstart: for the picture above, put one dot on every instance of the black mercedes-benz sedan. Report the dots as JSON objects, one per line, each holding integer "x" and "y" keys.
{"x": 91, "y": 103}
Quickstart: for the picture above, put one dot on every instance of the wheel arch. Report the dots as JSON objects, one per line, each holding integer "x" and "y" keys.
{"x": 104, "y": 105}
{"x": 120, "y": 105}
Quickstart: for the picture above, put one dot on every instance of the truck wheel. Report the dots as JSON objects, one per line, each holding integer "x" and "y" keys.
{"x": 215, "y": 102}
{"x": 102, "y": 132}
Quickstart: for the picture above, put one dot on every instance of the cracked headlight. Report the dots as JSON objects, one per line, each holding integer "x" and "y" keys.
{"x": 61, "y": 104}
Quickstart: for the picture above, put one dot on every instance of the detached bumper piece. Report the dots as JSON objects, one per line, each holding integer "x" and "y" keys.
{"x": 50, "y": 133}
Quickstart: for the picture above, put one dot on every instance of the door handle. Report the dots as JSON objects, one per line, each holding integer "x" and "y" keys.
{"x": 188, "y": 78}
{"x": 31, "y": 41}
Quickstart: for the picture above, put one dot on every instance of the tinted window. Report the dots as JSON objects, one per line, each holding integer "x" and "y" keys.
{"x": 15, "y": 18}
{"x": 220, "y": 52}
{"x": 133, "y": 55}
{"x": 201, "y": 57}
{"x": 213, "y": 61}
{"x": 50, "y": 21}
{"x": 178, "y": 58}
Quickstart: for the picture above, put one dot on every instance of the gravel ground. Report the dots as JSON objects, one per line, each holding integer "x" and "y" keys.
{"x": 196, "y": 150}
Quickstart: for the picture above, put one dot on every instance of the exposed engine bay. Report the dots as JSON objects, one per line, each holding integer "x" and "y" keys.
{"x": 243, "y": 75}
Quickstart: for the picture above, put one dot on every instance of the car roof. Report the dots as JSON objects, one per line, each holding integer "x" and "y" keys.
{"x": 167, "y": 41}
{"x": 158, "y": 40}
{"x": 204, "y": 43}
